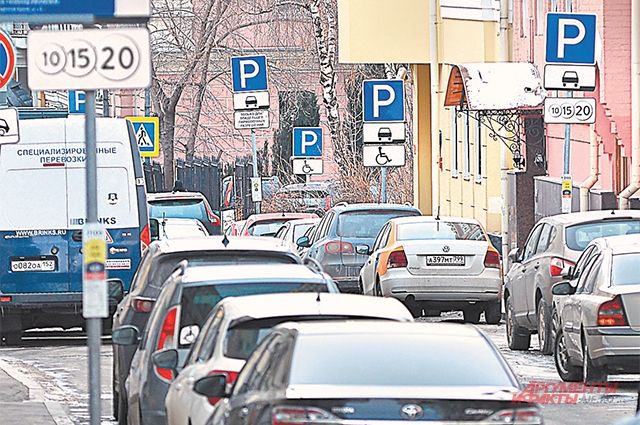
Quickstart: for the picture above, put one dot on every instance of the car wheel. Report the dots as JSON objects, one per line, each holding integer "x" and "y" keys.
{"x": 377, "y": 291}
{"x": 361, "y": 287}
{"x": 567, "y": 372}
{"x": 12, "y": 338}
{"x": 493, "y": 313}
{"x": 2, "y": 132}
{"x": 545, "y": 340}
{"x": 122, "y": 410}
{"x": 590, "y": 372}
{"x": 116, "y": 401}
{"x": 472, "y": 314}
{"x": 518, "y": 338}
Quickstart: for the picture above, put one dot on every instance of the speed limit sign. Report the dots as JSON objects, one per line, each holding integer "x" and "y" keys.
{"x": 116, "y": 58}
{"x": 569, "y": 110}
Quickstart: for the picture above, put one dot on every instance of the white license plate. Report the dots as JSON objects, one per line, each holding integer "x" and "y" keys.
{"x": 33, "y": 266}
{"x": 445, "y": 260}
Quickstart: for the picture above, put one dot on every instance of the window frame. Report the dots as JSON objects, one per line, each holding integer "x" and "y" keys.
{"x": 478, "y": 146}
{"x": 454, "y": 143}
{"x": 466, "y": 146}
{"x": 535, "y": 235}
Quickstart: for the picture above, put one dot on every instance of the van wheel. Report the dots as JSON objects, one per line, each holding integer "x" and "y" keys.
{"x": 518, "y": 338}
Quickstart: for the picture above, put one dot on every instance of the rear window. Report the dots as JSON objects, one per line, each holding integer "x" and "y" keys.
{"x": 624, "y": 269}
{"x": 396, "y": 360}
{"x": 367, "y": 224}
{"x": 580, "y": 235}
{"x": 440, "y": 230}
{"x": 178, "y": 208}
{"x": 266, "y": 227}
{"x": 198, "y": 301}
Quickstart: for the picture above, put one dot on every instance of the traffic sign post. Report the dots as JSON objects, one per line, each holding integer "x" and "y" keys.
{"x": 383, "y": 112}
{"x": 307, "y": 151}
{"x": 147, "y": 131}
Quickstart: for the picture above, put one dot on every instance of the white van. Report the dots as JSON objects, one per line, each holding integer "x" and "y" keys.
{"x": 43, "y": 209}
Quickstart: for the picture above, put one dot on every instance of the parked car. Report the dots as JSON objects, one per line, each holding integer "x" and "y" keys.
{"x": 554, "y": 244}
{"x": 173, "y": 228}
{"x": 436, "y": 263}
{"x": 311, "y": 197}
{"x": 293, "y": 230}
{"x": 236, "y": 228}
{"x": 369, "y": 372}
{"x": 237, "y": 325}
{"x": 269, "y": 224}
{"x": 344, "y": 236}
{"x": 158, "y": 263}
{"x": 184, "y": 205}
{"x": 182, "y": 308}
{"x": 598, "y": 312}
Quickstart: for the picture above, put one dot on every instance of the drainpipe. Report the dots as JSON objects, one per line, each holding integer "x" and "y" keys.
{"x": 586, "y": 185}
{"x": 504, "y": 161}
{"x": 434, "y": 69}
{"x": 635, "y": 107}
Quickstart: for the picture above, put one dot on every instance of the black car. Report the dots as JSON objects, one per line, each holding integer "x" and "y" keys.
{"x": 157, "y": 264}
{"x": 365, "y": 372}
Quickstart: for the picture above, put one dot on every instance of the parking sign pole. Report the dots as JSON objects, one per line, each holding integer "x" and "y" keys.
{"x": 254, "y": 150}
{"x": 383, "y": 185}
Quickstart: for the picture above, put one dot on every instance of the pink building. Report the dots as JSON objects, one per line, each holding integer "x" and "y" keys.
{"x": 613, "y": 57}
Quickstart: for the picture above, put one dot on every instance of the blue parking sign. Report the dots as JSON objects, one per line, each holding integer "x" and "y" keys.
{"x": 571, "y": 38}
{"x": 249, "y": 73}
{"x": 307, "y": 142}
{"x": 383, "y": 100}
{"x": 77, "y": 102}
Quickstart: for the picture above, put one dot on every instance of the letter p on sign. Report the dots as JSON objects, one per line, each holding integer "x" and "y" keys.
{"x": 245, "y": 74}
{"x": 309, "y": 139}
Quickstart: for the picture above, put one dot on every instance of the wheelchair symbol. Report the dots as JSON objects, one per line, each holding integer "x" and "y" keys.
{"x": 306, "y": 168}
{"x": 382, "y": 158}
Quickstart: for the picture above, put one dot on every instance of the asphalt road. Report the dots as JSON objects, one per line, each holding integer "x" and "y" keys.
{"x": 59, "y": 364}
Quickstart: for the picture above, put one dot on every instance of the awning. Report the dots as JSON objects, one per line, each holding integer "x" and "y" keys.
{"x": 495, "y": 86}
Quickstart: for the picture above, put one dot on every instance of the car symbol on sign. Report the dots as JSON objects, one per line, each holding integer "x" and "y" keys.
{"x": 570, "y": 77}
{"x": 4, "y": 127}
{"x": 251, "y": 102}
{"x": 384, "y": 133}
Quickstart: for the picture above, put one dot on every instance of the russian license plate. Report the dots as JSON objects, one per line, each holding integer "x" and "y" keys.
{"x": 33, "y": 265}
{"x": 445, "y": 260}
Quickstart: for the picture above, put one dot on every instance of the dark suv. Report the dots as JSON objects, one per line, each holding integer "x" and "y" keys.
{"x": 343, "y": 238}
{"x": 184, "y": 205}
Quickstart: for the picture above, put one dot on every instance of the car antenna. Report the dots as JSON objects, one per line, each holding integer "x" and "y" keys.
{"x": 613, "y": 212}
{"x": 438, "y": 219}
{"x": 225, "y": 240}
{"x": 318, "y": 297}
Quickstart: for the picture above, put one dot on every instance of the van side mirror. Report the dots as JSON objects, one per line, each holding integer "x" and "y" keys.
{"x": 303, "y": 242}
{"x": 154, "y": 229}
{"x": 125, "y": 335}
{"x": 563, "y": 288}
{"x": 514, "y": 255}
{"x": 212, "y": 386}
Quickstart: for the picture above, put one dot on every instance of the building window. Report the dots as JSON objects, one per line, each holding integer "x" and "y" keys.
{"x": 466, "y": 148}
{"x": 478, "y": 145}
{"x": 454, "y": 142}
{"x": 541, "y": 9}
{"x": 554, "y": 5}
{"x": 568, "y": 5}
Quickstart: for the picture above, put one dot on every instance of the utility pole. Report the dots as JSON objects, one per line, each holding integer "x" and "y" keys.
{"x": 254, "y": 150}
{"x": 504, "y": 159}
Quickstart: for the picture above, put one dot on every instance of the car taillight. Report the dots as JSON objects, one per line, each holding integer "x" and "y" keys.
{"x": 338, "y": 247}
{"x": 557, "y": 265}
{"x": 145, "y": 238}
{"x": 166, "y": 339}
{"x": 294, "y": 415}
{"x": 231, "y": 378}
{"x": 517, "y": 416}
{"x": 611, "y": 313}
{"x": 492, "y": 259}
{"x": 143, "y": 305}
{"x": 397, "y": 259}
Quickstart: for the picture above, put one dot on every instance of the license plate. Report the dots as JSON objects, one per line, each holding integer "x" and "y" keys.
{"x": 445, "y": 260}
{"x": 33, "y": 265}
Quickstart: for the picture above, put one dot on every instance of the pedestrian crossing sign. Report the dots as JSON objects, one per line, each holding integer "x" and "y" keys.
{"x": 147, "y": 133}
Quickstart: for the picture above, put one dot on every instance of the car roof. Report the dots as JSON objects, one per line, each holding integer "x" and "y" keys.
{"x": 382, "y": 327}
{"x": 298, "y": 304}
{"x": 623, "y": 244}
{"x": 174, "y": 195}
{"x": 371, "y": 206}
{"x": 432, "y": 219}
{"x": 251, "y": 272}
{"x": 305, "y": 221}
{"x": 215, "y": 243}
{"x": 587, "y": 216}
{"x": 271, "y": 216}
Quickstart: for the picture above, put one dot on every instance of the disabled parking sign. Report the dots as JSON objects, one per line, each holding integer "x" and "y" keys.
{"x": 147, "y": 134}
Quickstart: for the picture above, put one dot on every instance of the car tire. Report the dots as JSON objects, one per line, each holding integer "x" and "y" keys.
{"x": 361, "y": 287}
{"x": 591, "y": 373}
{"x": 545, "y": 339}
{"x": 12, "y": 338}
{"x": 566, "y": 370}
{"x": 493, "y": 313}
{"x": 518, "y": 338}
{"x": 116, "y": 400}
{"x": 472, "y": 314}
{"x": 122, "y": 410}
{"x": 377, "y": 291}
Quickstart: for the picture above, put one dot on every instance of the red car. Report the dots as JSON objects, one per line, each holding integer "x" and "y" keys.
{"x": 269, "y": 224}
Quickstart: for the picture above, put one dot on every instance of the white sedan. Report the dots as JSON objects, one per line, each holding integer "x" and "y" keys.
{"x": 436, "y": 264}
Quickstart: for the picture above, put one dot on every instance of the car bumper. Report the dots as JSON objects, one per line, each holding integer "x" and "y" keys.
{"x": 617, "y": 348}
{"x": 346, "y": 277}
{"x": 466, "y": 289}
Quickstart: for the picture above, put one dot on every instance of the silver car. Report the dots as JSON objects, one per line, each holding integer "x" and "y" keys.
{"x": 598, "y": 312}
{"x": 553, "y": 246}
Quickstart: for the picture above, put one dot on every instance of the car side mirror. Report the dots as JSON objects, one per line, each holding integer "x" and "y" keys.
{"x": 212, "y": 386}
{"x": 116, "y": 290}
{"x": 363, "y": 250}
{"x": 563, "y": 288}
{"x": 303, "y": 242}
{"x": 125, "y": 335}
{"x": 514, "y": 255}
{"x": 154, "y": 229}
{"x": 166, "y": 359}
{"x": 567, "y": 272}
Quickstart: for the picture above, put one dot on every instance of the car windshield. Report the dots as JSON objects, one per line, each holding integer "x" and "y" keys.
{"x": 440, "y": 230}
{"x": 623, "y": 269}
{"x": 579, "y": 236}
{"x": 267, "y": 227}
{"x": 178, "y": 208}
{"x": 198, "y": 301}
{"x": 396, "y": 360}
{"x": 182, "y": 230}
{"x": 367, "y": 224}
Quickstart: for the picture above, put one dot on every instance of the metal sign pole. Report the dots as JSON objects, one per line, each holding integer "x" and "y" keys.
{"x": 383, "y": 185}
{"x": 94, "y": 325}
{"x": 254, "y": 150}
{"x": 567, "y": 160}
